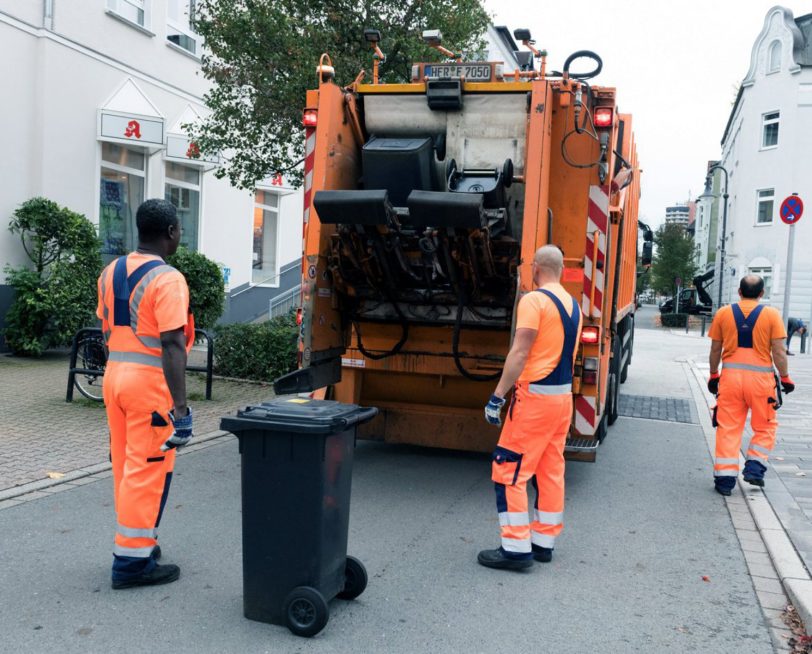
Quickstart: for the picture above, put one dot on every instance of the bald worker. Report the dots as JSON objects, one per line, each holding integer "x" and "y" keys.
{"x": 531, "y": 446}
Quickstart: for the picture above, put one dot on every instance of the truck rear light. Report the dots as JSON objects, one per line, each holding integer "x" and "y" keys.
{"x": 299, "y": 316}
{"x": 310, "y": 118}
{"x": 603, "y": 117}
{"x": 415, "y": 73}
{"x": 589, "y": 372}
{"x": 590, "y": 335}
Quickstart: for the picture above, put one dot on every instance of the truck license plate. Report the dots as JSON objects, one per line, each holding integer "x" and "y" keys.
{"x": 471, "y": 72}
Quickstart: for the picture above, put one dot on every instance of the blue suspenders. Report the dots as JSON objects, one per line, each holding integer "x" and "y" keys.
{"x": 744, "y": 326}
{"x": 562, "y": 374}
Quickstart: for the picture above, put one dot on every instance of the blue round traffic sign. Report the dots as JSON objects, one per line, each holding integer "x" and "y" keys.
{"x": 792, "y": 208}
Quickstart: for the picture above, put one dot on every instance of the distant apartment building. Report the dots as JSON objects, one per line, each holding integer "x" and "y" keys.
{"x": 678, "y": 214}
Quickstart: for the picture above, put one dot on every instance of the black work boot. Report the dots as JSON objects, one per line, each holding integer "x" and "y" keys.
{"x": 754, "y": 473}
{"x": 160, "y": 574}
{"x": 542, "y": 554}
{"x": 499, "y": 560}
{"x": 156, "y": 552}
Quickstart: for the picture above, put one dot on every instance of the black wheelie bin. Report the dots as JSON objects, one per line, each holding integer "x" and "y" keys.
{"x": 297, "y": 458}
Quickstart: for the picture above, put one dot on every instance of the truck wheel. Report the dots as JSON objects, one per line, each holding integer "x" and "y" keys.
{"x": 306, "y": 612}
{"x": 355, "y": 579}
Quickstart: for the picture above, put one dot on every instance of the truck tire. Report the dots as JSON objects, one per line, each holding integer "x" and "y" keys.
{"x": 613, "y": 392}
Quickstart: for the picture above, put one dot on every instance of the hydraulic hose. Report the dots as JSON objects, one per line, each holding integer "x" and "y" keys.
{"x": 455, "y": 350}
{"x": 404, "y": 336}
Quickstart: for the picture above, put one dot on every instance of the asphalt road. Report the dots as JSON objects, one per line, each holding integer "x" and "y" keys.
{"x": 643, "y": 527}
{"x": 644, "y": 317}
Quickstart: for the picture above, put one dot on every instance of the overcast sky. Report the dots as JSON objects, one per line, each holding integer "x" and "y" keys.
{"x": 675, "y": 64}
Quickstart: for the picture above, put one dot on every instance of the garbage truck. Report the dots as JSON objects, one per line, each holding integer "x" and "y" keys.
{"x": 424, "y": 203}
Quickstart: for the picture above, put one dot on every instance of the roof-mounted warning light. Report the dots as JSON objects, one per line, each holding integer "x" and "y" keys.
{"x": 434, "y": 38}
{"x": 373, "y": 37}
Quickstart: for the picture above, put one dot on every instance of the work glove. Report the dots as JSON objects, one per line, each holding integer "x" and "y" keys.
{"x": 787, "y": 385}
{"x": 493, "y": 410}
{"x": 182, "y": 433}
{"x": 713, "y": 383}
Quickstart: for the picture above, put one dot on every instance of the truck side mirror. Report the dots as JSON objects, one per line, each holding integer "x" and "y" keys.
{"x": 645, "y": 259}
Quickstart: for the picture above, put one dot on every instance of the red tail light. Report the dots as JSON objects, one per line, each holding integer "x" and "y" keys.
{"x": 310, "y": 118}
{"x": 590, "y": 335}
{"x": 589, "y": 377}
{"x": 603, "y": 117}
{"x": 299, "y": 317}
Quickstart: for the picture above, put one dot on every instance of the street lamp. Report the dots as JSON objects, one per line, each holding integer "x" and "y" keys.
{"x": 708, "y": 193}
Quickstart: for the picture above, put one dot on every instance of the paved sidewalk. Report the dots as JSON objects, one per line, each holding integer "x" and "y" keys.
{"x": 41, "y": 434}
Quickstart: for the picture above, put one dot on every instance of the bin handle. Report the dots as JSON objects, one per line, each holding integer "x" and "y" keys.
{"x": 365, "y": 414}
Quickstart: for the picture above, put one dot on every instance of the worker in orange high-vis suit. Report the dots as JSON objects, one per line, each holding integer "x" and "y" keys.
{"x": 531, "y": 446}
{"x": 148, "y": 330}
{"x": 748, "y": 340}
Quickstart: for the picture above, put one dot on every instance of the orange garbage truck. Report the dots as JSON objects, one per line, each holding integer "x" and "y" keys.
{"x": 424, "y": 204}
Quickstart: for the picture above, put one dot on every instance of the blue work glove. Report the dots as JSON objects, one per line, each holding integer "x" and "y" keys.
{"x": 183, "y": 431}
{"x": 493, "y": 410}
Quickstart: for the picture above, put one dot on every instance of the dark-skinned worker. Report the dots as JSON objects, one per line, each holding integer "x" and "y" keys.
{"x": 748, "y": 341}
{"x": 531, "y": 446}
{"x": 148, "y": 330}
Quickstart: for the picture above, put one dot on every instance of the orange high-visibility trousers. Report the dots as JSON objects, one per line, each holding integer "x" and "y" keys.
{"x": 531, "y": 446}
{"x": 138, "y": 402}
{"x": 746, "y": 384}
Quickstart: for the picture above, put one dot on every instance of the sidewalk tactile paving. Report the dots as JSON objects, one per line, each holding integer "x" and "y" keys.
{"x": 656, "y": 408}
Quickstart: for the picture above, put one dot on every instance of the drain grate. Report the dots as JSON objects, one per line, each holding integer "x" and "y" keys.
{"x": 656, "y": 408}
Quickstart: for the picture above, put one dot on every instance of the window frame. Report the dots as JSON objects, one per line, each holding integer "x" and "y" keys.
{"x": 120, "y": 168}
{"x": 767, "y": 122}
{"x": 759, "y": 201}
{"x": 113, "y": 9}
{"x": 185, "y": 30}
{"x": 171, "y": 181}
{"x": 774, "y": 66}
{"x": 275, "y": 278}
{"x": 766, "y": 273}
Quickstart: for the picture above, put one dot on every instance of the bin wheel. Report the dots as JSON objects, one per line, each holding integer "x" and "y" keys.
{"x": 306, "y": 612}
{"x": 355, "y": 579}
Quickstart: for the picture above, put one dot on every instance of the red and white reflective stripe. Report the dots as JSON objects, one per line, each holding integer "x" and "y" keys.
{"x": 585, "y": 415}
{"x": 309, "y": 161}
{"x": 596, "y": 223}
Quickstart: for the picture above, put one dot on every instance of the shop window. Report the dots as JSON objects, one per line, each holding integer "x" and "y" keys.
{"x": 266, "y": 233}
{"x": 182, "y": 189}
{"x": 134, "y": 11}
{"x": 774, "y": 57}
{"x": 769, "y": 130}
{"x": 764, "y": 211}
{"x": 180, "y": 25}
{"x": 123, "y": 180}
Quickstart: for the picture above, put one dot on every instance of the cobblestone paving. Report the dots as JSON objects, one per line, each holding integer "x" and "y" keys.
{"x": 40, "y": 433}
{"x": 656, "y": 408}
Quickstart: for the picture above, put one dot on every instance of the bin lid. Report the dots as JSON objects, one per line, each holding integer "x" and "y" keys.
{"x": 298, "y": 414}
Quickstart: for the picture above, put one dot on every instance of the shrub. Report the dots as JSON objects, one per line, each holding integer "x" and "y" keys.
{"x": 58, "y": 296}
{"x": 206, "y": 289}
{"x": 674, "y": 319}
{"x": 261, "y": 351}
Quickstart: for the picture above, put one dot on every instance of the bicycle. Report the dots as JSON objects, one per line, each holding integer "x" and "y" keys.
{"x": 91, "y": 356}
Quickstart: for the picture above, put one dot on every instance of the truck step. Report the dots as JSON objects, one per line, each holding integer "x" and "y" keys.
{"x": 581, "y": 445}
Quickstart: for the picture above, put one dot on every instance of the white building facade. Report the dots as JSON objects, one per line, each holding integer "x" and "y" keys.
{"x": 765, "y": 151}
{"x": 97, "y": 93}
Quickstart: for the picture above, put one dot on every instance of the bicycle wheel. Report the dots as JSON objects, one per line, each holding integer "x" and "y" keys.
{"x": 90, "y": 356}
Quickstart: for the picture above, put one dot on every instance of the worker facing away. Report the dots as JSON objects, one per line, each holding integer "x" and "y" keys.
{"x": 748, "y": 340}
{"x": 148, "y": 331}
{"x": 531, "y": 446}
{"x": 794, "y": 326}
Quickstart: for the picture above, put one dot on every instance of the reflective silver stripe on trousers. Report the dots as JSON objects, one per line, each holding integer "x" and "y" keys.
{"x": 521, "y": 546}
{"x": 759, "y": 448}
{"x": 134, "y": 552}
{"x": 543, "y": 389}
{"x": 136, "y": 357}
{"x": 725, "y": 473}
{"x": 747, "y": 366}
{"x": 723, "y": 462}
{"x": 131, "y": 532}
{"x": 135, "y": 303}
{"x": 513, "y": 519}
{"x": 543, "y": 540}
{"x": 757, "y": 457}
{"x": 547, "y": 518}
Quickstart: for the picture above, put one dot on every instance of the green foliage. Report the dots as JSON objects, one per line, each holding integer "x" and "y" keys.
{"x": 206, "y": 289}
{"x": 261, "y": 351}
{"x": 263, "y": 57}
{"x": 673, "y": 319}
{"x": 57, "y": 297}
{"x": 674, "y": 258}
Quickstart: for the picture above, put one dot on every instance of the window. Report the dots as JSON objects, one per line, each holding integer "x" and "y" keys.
{"x": 774, "y": 57}
{"x": 182, "y": 189}
{"x": 769, "y": 132}
{"x": 766, "y": 273}
{"x": 135, "y": 11}
{"x": 266, "y": 222}
{"x": 123, "y": 178}
{"x": 764, "y": 213}
{"x": 179, "y": 21}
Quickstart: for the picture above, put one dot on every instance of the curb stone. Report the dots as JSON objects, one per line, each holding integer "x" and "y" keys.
{"x": 791, "y": 570}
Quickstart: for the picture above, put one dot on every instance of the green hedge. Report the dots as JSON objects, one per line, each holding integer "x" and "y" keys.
{"x": 260, "y": 351}
{"x": 205, "y": 280}
{"x": 674, "y": 319}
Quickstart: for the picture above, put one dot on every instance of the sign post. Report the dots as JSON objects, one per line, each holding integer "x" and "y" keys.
{"x": 792, "y": 208}
{"x": 678, "y": 282}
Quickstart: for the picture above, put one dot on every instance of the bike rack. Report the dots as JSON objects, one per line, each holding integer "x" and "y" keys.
{"x": 74, "y": 353}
